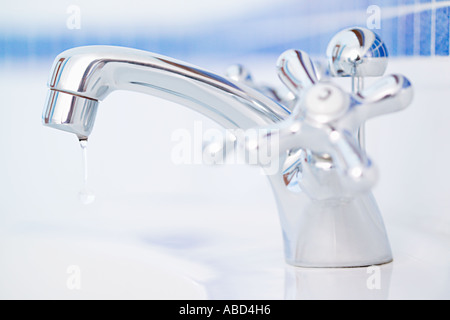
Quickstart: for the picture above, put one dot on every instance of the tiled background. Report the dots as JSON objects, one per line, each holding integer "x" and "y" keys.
{"x": 232, "y": 28}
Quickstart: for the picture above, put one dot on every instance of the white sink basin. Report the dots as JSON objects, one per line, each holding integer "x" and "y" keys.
{"x": 42, "y": 262}
{"x": 53, "y": 266}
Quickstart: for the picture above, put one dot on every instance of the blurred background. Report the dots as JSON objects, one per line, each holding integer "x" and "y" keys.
{"x": 223, "y": 219}
{"x": 225, "y": 29}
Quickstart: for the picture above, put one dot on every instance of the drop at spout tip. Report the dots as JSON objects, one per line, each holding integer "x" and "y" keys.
{"x": 83, "y": 143}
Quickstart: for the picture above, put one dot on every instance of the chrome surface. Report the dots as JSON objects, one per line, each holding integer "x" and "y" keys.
{"x": 322, "y": 186}
{"x": 296, "y": 70}
{"x": 338, "y": 223}
{"x": 240, "y": 74}
{"x": 92, "y": 73}
{"x": 357, "y": 53}
{"x": 70, "y": 113}
{"x": 324, "y": 123}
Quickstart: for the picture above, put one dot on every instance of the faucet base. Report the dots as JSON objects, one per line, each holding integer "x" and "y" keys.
{"x": 305, "y": 265}
{"x": 338, "y": 234}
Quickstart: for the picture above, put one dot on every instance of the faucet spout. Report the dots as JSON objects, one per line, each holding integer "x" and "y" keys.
{"x": 81, "y": 77}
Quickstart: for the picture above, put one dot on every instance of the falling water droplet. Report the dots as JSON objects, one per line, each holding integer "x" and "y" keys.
{"x": 85, "y": 195}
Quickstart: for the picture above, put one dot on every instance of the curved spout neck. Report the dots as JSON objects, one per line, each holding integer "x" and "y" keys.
{"x": 82, "y": 76}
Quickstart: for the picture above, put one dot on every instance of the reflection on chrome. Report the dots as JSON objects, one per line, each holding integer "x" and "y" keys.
{"x": 370, "y": 283}
{"x": 328, "y": 215}
{"x": 357, "y": 53}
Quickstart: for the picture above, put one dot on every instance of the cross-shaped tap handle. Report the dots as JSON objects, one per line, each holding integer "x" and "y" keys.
{"x": 326, "y": 118}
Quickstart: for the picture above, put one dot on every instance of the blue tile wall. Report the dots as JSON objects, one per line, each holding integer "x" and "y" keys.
{"x": 442, "y": 31}
{"x": 406, "y": 40}
{"x": 425, "y": 33}
{"x": 422, "y": 29}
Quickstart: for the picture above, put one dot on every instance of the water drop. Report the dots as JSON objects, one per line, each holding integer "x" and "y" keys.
{"x": 86, "y": 196}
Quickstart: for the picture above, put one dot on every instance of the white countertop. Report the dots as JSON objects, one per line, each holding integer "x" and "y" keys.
{"x": 162, "y": 231}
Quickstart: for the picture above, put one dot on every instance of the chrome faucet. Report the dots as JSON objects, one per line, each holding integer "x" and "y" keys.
{"x": 328, "y": 215}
